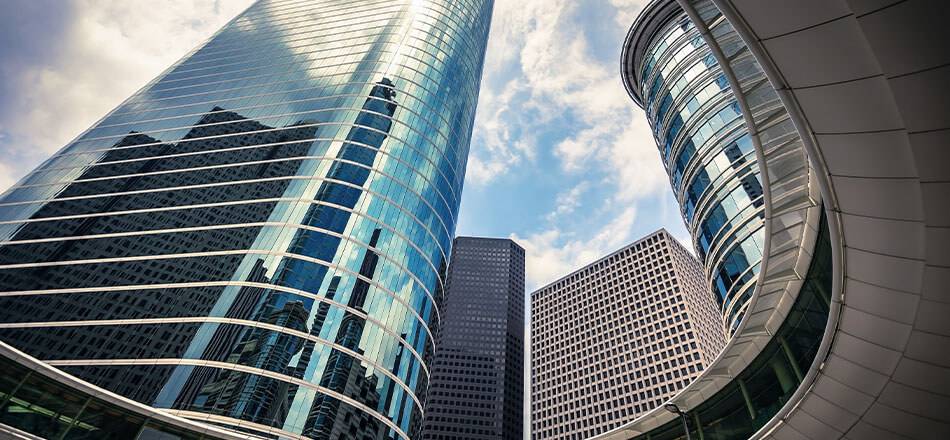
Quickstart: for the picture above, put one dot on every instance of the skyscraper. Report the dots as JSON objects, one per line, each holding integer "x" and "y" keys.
{"x": 618, "y": 337}
{"x": 708, "y": 154}
{"x": 258, "y": 238}
{"x": 476, "y": 391}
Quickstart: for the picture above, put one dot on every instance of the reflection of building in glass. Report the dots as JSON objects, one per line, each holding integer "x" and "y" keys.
{"x": 261, "y": 400}
{"x": 477, "y": 375}
{"x": 260, "y": 244}
{"x": 72, "y": 201}
{"x": 39, "y": 401}
{"x": 343, "y": 374}
{"x": 619, "y": 337}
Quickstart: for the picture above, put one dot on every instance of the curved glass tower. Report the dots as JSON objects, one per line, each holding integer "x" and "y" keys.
{"x": 257, "y": 238}
{"x": 845, "y": 104}
{"x": 708, "y": 155}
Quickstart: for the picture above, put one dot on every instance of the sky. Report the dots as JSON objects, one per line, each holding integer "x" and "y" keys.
{"x": 561, "y": 161}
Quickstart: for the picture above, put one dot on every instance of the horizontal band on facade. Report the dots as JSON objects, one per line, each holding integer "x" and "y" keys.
{"x": 370, "y": 218}
{"x": 378, "y": 195}
{"x": 221, "y": 101}
{"x": 310, "y": 62}
{"x": 443, "y": 16}
{"x": 310, "y": 201}
{"x": 194, "y": 285}
{"x": 242, "y": 322}
{"x": 112, "y": 148}
{"x": 68, "y": 154}
{"x": 261, "y": 120}
{"x": 415, "y": 170}
{"x": 378, "y": 222}
{"x": 347, "y": 238}
{"x": 273, "y": 12}
{"x": 380, "y": 31}
{"x": 243, "y": 164}
{"x": 232, "y": 422}
{"x": 356, "y": 275}
{"x": 239, "y": 368}
{"x": 274, "y": 286}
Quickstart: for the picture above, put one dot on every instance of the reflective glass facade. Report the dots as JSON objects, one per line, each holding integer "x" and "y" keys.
{"x": 258, "y": 237}
{"x": 709, "y": 156}
{"x": 38, "y": 400}
{"x": 768, "y": 209}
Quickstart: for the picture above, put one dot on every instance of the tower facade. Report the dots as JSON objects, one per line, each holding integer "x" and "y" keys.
{"x": 707, "y": 152}
{"x": 477, "y": 386}
{"x": 619, "y": 337}
{"x": 258, "y": 238}
{"x": 848, "y": 154}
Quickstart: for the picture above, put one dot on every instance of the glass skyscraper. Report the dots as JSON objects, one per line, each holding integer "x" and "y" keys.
{"x": 258, "y": 238}
{"x": 708, "y": 154}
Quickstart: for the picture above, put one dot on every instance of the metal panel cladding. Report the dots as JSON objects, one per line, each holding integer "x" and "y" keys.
{"x": 258, "y": 237}
{"x": 709, "y": 155}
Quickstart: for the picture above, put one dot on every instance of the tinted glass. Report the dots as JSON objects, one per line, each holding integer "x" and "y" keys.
{"x": 261, "y": 232}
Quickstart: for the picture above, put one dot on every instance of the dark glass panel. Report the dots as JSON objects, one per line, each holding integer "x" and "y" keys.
{"x": 42, "y": 407}
{"x": 101, "y": 421}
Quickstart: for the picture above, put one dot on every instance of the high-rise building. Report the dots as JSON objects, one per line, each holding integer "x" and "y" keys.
{"x": 707, "y": 152}
{"x": 845, "y": 104}
{"x": 476, "y": 391}
{"x": 258, "y": 238}
{"x": 618, "y": 337}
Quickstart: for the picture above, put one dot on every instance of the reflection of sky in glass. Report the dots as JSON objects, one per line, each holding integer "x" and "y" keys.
{"x": 706, "y": 150}
{"x": 270, "y": 218}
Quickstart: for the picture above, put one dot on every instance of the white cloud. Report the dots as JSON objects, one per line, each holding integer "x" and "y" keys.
{"x": 503, "y": 144}
{"x": 111, "y": 49}
{"x": 7, "y": 178}
{"x": 638, "y": 170}
{"x": 568, "y": 201}
{"x": 552, "y": 254}
{"x": 557, "y": 75}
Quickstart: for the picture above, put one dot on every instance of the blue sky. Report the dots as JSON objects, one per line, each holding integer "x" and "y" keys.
{"x": 562, "y": 160}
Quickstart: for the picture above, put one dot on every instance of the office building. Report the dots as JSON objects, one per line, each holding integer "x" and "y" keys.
{"x": 619, "y": 337}
{"x": 477, "y": 386}
{"x": 845, "y": 104}
{"x": 258, "y": 238}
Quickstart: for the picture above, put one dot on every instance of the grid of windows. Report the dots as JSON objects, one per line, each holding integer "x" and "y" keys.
{"x": 259, "y": 235}
{"x": 476, "y": 391}
{"x": 619, "y": 337}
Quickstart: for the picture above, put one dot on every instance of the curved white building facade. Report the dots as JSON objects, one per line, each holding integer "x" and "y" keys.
{"x": 864, "y": 87}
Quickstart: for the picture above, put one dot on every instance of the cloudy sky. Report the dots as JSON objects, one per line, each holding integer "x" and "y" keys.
{"x": 562, "y": 161}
